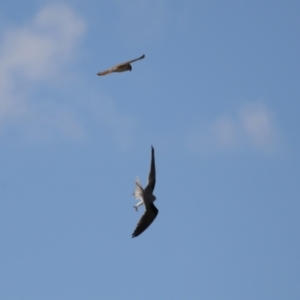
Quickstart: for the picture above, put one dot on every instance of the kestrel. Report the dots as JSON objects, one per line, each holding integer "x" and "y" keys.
{"x": 126, "y": 66}
{"x": 147, "y": 198}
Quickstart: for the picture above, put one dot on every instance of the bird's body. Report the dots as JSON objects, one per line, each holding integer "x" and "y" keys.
{"x": 126, "y": 66}
{"x": 147, "y": 198}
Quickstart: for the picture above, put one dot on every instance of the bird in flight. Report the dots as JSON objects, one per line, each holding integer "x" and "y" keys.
{"x": 147, "y": 198}
{"x": 126, "y": 66}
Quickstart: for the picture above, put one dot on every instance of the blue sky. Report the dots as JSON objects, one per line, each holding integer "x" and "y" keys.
{"x": 217, "y": 95}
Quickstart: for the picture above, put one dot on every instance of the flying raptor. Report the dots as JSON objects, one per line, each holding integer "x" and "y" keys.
{"x": 126, "y": 66}
{"x": 147, "y": 198}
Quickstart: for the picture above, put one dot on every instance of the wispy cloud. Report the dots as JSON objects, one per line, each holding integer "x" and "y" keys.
{"x": 42, "y": 96}
{"x": 258, "y": 125}
{"x": 252, "y": 127}
{"x": 37, "y": 53}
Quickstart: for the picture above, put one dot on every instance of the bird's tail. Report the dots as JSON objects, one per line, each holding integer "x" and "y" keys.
{"x": 139, "y": 191}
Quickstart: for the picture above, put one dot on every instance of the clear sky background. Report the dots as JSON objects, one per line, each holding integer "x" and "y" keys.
{"x": 218, "y": 97}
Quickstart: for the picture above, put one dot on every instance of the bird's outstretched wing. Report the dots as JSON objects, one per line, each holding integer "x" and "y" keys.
{"x": 146, "y": 219}
{"x": 122, "y": 66}
{"x": 106, "y": 72}
{"x": 130, "y": 61}
{"x": 152, "y": 174}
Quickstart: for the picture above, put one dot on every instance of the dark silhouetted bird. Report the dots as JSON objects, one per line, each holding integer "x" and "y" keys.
{"x": 147, "y": 198}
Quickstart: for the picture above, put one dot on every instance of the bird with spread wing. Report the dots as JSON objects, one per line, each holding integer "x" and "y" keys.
{"x": 147, "y": 198}
{"x": 126, "y": 66}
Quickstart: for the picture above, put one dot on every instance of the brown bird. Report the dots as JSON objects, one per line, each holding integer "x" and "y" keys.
{"x": 126, "y": 66}
{"x": 147, "y": 198}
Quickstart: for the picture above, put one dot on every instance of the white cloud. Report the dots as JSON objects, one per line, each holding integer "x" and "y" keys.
{"x": 38, "y": 53}
{"x": 258, "y": 124}
{"x": 251, "y": 127}
{"x": 41, "y": 99}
